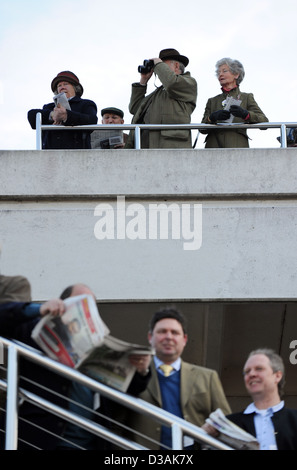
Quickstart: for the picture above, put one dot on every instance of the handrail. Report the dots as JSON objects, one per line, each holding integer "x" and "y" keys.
{"x": 16, "y": 349}
{"x": 138, "y": 127}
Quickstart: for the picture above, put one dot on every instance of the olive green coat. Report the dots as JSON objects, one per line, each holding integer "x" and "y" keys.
{"x": 171, "y": 103}
{"x": 201, "y": 393}
{"x": 232, "y": 138}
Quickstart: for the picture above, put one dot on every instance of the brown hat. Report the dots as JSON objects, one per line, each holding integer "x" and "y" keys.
{"x": 67, "y": 76}
{"x": 168, "y": 54}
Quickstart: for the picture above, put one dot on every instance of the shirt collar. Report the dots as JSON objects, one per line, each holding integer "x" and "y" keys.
{"x": 253, "y": 409}
{"x": 228, "y": 91}
{"x": 176, "y": 364}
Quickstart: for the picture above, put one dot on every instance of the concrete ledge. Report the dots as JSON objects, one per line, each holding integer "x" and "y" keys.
{"x": 213, "y": 173}
{"x": 248, "y": 248}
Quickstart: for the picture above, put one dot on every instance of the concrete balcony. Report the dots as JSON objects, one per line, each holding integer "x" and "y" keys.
{"x": 213, "y": 231}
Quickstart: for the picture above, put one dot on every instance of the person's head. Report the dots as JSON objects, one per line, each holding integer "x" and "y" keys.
{"x": 112, "y": 116}
{"x": 68, "y": 83}
{"x": 76, "y": 289}
{"x": 291, "y": 136}
{"x": 168, "y": 334}
{"x": 175, "y": 61}
{"x": 264, "y": 373}
{"x": 229, "y": 72}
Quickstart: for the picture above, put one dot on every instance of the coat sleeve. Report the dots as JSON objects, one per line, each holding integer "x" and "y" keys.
{"x": 45, "y": 112}
{"x": 255, "y": 112}
{"x": 12, "y": 315}
{"x": 87, "y": 114}
{"x": 137, "y": 95}
{"x": 218, "y": 398}
{"x": 207, "y": 113}
{"x": 181, "y": 87}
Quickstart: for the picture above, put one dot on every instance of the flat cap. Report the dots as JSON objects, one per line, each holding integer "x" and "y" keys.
{"x": 116, "y": 111}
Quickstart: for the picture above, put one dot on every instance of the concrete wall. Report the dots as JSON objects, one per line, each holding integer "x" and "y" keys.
{"x": 241, "y": 247}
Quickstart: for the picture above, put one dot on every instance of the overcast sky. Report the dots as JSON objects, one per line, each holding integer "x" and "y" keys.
{"x": 104, "y": 42}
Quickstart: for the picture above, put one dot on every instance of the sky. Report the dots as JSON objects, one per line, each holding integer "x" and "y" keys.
{"x": 104, "y": 42}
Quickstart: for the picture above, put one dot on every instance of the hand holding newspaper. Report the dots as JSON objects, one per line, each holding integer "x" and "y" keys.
{"x": 230, "y": 433}
{"x": 230, "y": 101}
{"x": 80, "y": 339}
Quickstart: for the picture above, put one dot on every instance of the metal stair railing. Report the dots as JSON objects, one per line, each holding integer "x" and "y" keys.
{"x": 138, "y": 127}
{"x": 16, "y": 350}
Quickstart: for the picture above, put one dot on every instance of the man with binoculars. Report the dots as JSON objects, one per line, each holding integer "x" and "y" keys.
{"x": 171, "y": 103}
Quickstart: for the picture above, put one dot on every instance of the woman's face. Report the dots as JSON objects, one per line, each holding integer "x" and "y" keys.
{"x": 226, "y": 78}
{"x": 67, "y": 88}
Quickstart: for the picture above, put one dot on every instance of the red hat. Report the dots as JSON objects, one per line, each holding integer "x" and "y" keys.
{"x": 66, "y": 76}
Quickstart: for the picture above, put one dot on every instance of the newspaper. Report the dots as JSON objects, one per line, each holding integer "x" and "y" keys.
{"x": 107, "y": 139}
{"x": 230, "y": 433}
{"x": 62, "y": 100}
{"x": 230, "y": 101}
{"x": 80, "y": 339}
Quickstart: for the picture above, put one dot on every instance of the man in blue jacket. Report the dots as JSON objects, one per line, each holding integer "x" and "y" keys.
{"x": 76, "y": 112}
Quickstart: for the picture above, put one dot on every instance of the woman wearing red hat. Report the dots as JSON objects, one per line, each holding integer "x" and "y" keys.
{"x": 77, "y": 112}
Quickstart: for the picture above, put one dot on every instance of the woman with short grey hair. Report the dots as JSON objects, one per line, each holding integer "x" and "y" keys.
{"x": 235, "y": 67}
{"x": 232, "y": 105}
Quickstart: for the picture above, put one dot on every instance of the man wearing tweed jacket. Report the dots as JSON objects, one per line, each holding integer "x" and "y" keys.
{"x": 171, "y": 103}
{"x": 190, "y": 392}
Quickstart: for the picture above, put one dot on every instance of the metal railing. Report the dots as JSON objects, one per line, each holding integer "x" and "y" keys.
{"x": 16, "y": 350}
{"x": 138, "y": 127}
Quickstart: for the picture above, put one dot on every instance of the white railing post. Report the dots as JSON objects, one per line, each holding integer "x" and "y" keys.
{"x": 38, "y": 132}
{"x": 177, "y": 437}
{"x": 283, "y": 131}
{"x": 11, "y": 437}
{"x": 137, "y": 138}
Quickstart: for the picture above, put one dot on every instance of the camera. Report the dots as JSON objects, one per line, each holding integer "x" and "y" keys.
{"x": 147, "y": 66}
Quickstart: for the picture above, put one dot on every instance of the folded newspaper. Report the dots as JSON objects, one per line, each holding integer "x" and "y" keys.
{"x": 107, "y": 139}
{"x": 230, "y": 101}
{"x": 230, "y": 433}
{"x": 80, "y": 339}
{"x": 62, "y": 100}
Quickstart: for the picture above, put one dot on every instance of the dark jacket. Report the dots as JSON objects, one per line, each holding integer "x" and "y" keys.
{"x": 15, "y": 325}
{"x": 83, "y": 112}
{"x": 285, "y": 425}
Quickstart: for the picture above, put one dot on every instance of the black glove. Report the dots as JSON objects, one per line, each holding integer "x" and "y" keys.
{"x": 220, "y": 115}
{"x": 238, "y": 111}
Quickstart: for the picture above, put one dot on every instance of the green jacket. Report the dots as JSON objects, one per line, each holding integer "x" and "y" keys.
{"x": 201, "y": 393}
{"x": 237, "y": 137}
{"x": 171, "y": 103}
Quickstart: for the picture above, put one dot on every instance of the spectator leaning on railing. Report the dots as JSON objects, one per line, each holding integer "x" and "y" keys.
{"x": 243, "y": 108}
{"x": 81, "y": 112}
